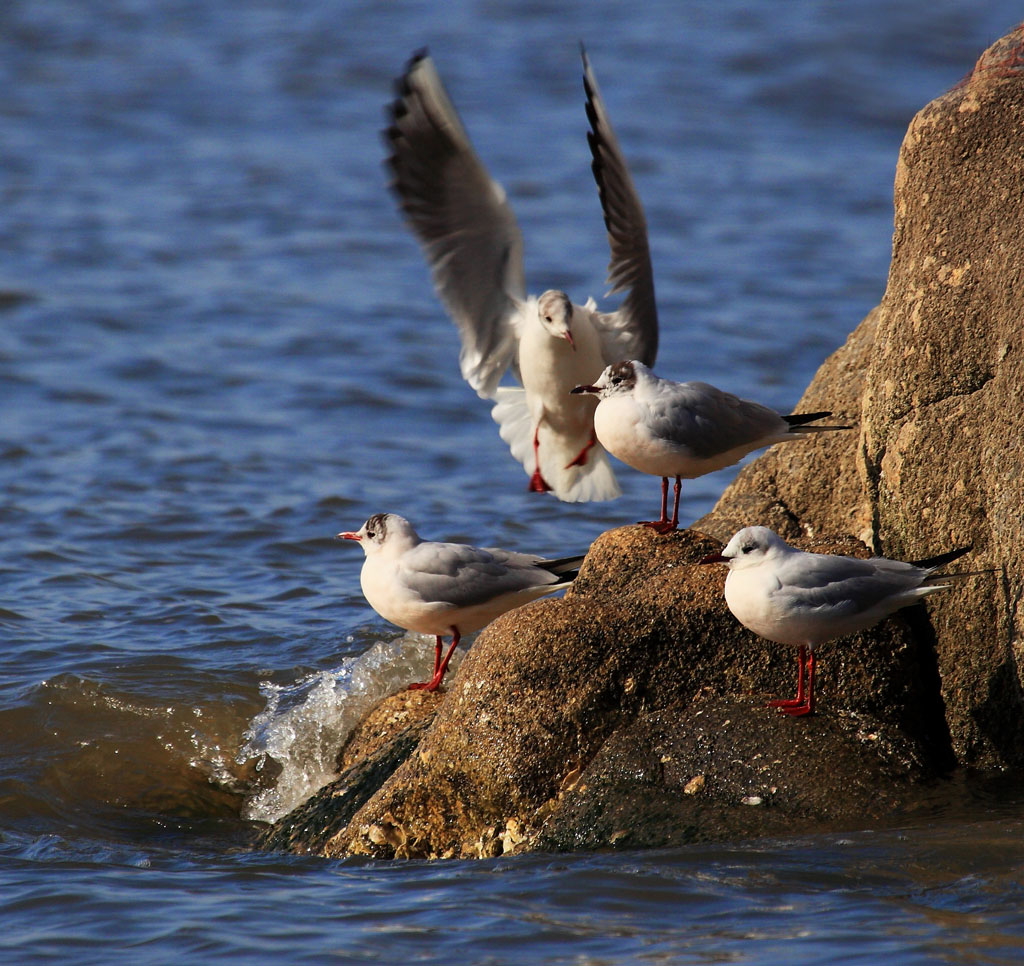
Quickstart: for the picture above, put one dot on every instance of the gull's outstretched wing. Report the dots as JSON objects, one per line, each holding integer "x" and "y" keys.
{"x": 632, "y": 331}
{"x": 462, "y": 219}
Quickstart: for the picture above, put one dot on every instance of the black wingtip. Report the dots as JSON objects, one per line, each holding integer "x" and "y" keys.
{"x": 588, "y": 87}
{"x": 798, "y": 419}
{"x": 393, "y": 113}
{"x": 401, "y": 88}
{"x": 565, "y": 567}
{"x": 931, "y": 563}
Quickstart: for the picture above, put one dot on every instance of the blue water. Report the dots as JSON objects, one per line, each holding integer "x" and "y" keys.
{"x": 219, "y": 347}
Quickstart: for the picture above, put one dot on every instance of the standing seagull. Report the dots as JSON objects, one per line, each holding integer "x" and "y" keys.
{"x": 474, "y": 247}
{"x": 447, "y": 588}
{"x": 682, "y": 429}
{"x": 793, "y": 597}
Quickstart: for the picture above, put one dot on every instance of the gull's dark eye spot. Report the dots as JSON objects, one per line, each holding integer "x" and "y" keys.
{"x": 547, "y": 318}
{"x": 747, "y": 547}
{"x": 371, "y": 534}
{"x": 616, "y": 380}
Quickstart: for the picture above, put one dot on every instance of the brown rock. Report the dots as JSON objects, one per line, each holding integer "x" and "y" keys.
{"x": 721, "y": 768}
{"x": 384, "y": 721}
{"x": 549, "y": 692}
{"x": 944, "y": 420}
{"x": 384, "y": 738}
{"x": 935, "y": 379}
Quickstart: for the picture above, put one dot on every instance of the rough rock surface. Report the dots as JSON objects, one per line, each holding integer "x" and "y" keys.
{"x": 631, "y": 712}
{"x": 934, "y": 377}
{"x": 384, "y": 738}
{"x": 723, "y": 768}
{"x": 561, "y": 703}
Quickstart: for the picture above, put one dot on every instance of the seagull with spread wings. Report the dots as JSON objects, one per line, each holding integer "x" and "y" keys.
{"x": 474, "y": 247}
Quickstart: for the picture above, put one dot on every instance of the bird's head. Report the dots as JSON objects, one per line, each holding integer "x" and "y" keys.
{"x": 618, "y": 379}
{"x": 382, "y": 529}
{"x": 748, "y": 548}
{"x": 554, "y": 310}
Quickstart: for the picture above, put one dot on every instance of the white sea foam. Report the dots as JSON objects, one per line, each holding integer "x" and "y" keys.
{"x": 305, "y": 724}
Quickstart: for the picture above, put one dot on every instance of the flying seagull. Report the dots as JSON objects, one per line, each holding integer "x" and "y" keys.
{"x": 472, "y": 242}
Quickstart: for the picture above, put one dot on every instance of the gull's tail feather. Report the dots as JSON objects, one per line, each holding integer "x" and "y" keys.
{"x": 797, "y": 420}
{"x": 565, "y": 567}
{"x": 956, "y": 575}
{"x": 512, "y": 415}
{"x": 933, "y": 563}
{"x": 593, "y": 481}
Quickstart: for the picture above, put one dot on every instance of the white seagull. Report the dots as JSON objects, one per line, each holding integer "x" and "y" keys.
{"x": 682, "y": 429}
{"x": 447, "y": 588}
{"x": 471, "y": 240}
{"x": 804, "y": 599}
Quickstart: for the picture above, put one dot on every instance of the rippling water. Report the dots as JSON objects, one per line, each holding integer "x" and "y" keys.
{"x": 219, "y": 346}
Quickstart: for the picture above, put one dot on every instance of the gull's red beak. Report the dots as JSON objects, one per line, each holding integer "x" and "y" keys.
{"x": 585, "y": 389}
{"x": 348, "y": 535}
{"x": 568, "y": 338}
{"x": 713, "y": 558}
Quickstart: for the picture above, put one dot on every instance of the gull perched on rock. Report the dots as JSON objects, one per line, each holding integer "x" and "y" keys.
{"x": 793, "y": 597}
{"x": 447, "y": 588}
{"x": 682, "y": 429}
{"x": 472, "y": 242}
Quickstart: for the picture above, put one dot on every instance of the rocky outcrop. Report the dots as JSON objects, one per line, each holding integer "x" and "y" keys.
{"x": 724, "y": 768}
{"x": 639, "y": 695}
{"x": 819, "y": 486}
{"x": 380, "y": 743}
{"x": 631, "y": 713}
{"x": 934, "y": 377}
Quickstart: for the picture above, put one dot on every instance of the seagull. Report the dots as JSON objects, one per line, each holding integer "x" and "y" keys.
{"x": 472, "y": 242}
{"x": 447, "y": 588}
{"x": 793, "y": 597}
{"x": 682, "y": 429}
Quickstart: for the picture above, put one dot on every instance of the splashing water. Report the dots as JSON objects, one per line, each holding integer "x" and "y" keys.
{"x": 305, "y": 724}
